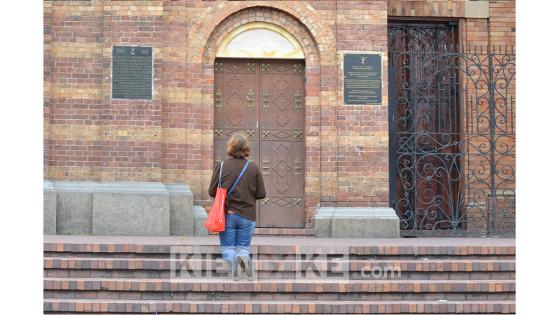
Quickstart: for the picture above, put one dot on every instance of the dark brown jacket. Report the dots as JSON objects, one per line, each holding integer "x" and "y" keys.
{"x": 244, "y": 197}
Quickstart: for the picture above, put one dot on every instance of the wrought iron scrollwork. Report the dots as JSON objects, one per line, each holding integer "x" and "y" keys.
{"x": 452, "y": 133}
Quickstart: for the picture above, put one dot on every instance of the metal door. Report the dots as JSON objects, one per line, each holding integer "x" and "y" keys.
{"x": 425, "y": 125}
{"x": 452, "y": 132}
{"x": 265, "y": 99}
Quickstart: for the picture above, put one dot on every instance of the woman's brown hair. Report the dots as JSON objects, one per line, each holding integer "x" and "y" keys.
{"x": 238, "y": 145}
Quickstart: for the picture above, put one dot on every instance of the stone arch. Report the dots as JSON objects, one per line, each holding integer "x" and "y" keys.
{"x": 263, "y": 14}
{"x": 307, "y": 37}
{"x": 216, "y": 14}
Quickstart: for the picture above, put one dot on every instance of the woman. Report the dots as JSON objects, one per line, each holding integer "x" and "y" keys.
{"x": 240, "y": 204}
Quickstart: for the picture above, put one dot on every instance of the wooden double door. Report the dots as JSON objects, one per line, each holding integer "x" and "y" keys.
{"x": 265, "y": 100}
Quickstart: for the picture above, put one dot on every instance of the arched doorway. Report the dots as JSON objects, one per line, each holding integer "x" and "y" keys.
{"x": 259, "y": 87}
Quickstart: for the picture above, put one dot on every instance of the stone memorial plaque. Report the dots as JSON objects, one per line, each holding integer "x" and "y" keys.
{"x": 362, "y": 79}
{"x": 132, "y": 72}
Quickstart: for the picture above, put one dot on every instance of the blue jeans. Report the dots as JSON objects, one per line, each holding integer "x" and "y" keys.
{"x": 235, "y": 240}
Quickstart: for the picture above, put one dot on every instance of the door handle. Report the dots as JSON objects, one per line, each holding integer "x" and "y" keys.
{"x": 257, "y": 125}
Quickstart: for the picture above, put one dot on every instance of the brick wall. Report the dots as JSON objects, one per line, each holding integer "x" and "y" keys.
{"x": 362, "y": 130}
{"x": 502, "y": 22}
{"x": 75, "y": 33}
{"x": 89, "y": 136}
{"x": 426, "y": 8}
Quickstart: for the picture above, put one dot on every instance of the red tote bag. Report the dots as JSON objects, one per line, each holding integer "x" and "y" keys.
{"x": 216, "y": 221}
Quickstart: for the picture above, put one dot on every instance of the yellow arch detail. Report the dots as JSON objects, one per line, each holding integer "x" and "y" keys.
{"x": 285, "y": 46}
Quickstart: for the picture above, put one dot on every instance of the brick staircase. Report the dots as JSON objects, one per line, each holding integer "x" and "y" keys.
{"x": 402, "y": 276}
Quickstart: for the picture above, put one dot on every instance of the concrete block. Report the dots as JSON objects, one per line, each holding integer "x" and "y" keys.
{"x": 49, "y": 208}
{"x": 358, "y": 222}
{"x": 74, "y": 207}
{"x": 199, "y": 218}
{"x": 323, "y": 222}
{"x": 181, "y": 209}
{"x": 130, "y": 208}
{"x": 477, "y": 9}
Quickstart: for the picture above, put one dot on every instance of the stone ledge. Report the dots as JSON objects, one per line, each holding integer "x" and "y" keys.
{"x": 117, "y": 208}
{"x": 49, "y": 208}
{"x": 123, "y": 208}
{"x": 477, "y": 9}
{"x": 199, "y": 217}
{"x": 74, "y": 207}
{"x": 357, "y": 222}
{"x": 181, "y": 209}
{"x": 131, "y": 187}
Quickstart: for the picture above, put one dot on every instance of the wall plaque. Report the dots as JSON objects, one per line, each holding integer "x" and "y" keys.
{"x": 362, "y": 79}
{"x": 132, "y": 72}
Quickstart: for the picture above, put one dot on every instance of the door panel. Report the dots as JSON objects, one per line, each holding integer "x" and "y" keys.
{"x": 235, "y": 105}
{"x": 264, "y": 98}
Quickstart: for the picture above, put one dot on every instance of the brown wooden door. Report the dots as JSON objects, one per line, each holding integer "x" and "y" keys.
{"x": 265, "y": 99}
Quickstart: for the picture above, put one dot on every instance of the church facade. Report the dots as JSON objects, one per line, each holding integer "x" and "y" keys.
{"x": 369, "y": 118}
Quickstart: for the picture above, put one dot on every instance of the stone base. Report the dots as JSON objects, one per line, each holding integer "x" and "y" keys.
{"x": 130, "y": 209}
{"x": 357, "y": 222}
{"x": 49, "y": 208}
{"x": 118, "y": 208}
{"x": 200, "y": 216}
{"x": 181, "y": 209}
{"x": 74, "y": 207}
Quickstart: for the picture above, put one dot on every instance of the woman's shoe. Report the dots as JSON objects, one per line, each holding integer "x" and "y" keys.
{"x": 235, "y": 269}
{"x": 247, "y": 265}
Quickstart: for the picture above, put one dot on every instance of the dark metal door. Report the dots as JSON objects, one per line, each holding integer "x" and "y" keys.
{"x": 452, "y": 132}
{"x": 424, "y": 119}
{"x": 265, "y": 99}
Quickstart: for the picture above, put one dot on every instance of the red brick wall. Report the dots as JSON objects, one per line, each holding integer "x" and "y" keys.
{"x": 74, "y": 95}
{"x": 362, "y": 130}
{"x": 502, "y": 22}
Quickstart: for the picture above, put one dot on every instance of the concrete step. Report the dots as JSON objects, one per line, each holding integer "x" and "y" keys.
{"x": 132, "y": 275}
{"x": 285, "y": 232}
{"x": 279, "y": 269}
{"x": 282, "y": 251}
{"x": 435, "y": 265}
{"x": 276, "y": 307}
{"x": 287, "y": 290}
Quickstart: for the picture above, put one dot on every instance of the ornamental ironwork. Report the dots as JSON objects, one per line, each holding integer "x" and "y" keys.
{"x": 452, "y": 133}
